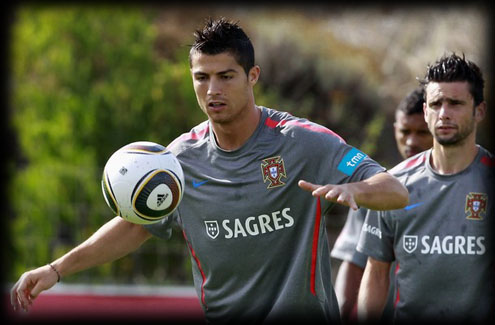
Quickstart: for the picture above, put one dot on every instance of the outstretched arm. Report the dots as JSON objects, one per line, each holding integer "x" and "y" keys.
{"x": 379, "y": 192}
{"x": 113, "y": 240}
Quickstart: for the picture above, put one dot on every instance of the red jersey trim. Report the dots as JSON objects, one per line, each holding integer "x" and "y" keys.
{"x": 397, "y": 298}
{"x": 314, "y": 251}
{"x": 192, "y": 135}
{"x": 411, "y": 163}
{"x": 308, "y": 126}
{"x": 485, "y": 160}
{"x": 193, "y": 253}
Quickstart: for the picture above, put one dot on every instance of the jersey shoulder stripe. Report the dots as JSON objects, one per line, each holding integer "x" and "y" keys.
{"x": 285, "y": 120}
{"x": 488, "y": 161}
{"x": 196, "y": 134}
{"x": 410, "y": 164}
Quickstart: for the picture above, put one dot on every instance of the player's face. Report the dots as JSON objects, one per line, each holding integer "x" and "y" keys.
{"x": 223, "y": 90}
{"x": 411, "y": 134}
{"x": 450, "y": 112}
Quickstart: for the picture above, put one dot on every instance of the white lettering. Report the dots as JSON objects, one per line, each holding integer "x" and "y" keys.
{"x": 470, "y": 245}
{"x": 458, "y": 245}
{"x": 265, "y": 223}
{"x": 285, "y": 214}
{"x": 276, "y": 220}
{"x": 372, "y": 230}
{"x": 238, "y": 229}
{"x": 226, "y": 227}
{"x": 252, "y": 231}
{"x": 447, "y": 246}
{"x": 426, "y": 246}
{"x": 435, "y": 247}
{"x": 480, "y": 245}
{"x": 254, "y": 226}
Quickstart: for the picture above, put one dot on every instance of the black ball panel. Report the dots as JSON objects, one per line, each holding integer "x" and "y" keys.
{"x": 146, "y": 187}
{"x": 108, "y": 194}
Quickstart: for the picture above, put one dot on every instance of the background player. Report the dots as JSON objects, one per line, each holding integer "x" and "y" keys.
{"x": 442, "y": 240}
{"x": 412, "y": 137}
{"x": 257, "y": 241}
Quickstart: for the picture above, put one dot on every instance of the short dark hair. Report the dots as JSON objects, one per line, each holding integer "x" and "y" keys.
{"x": 412, "y": 103}
{"x": 451, "y": 68}
{"x": 219, "y": 36}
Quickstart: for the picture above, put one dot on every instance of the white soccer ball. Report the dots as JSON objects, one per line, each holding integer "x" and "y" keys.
{"x": 143, "y": 182}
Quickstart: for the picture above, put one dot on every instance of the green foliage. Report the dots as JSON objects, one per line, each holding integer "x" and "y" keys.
{"x": 85, "y": 82}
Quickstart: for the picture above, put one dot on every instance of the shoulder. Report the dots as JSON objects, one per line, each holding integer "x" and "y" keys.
{"x": 486, "y": 158}
{"x": 414, "y": 164}
{"x": 195, "y": 136}
{"x": 287, "y": 124}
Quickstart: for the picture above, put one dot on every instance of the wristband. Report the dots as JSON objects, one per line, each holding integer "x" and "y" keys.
{"x": 54, "y": 269}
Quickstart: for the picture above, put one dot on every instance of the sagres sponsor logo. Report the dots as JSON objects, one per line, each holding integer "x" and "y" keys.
{"x": 476, "y": 205}
{"x": 212, "y": 228}
{"x": 445, "y": 245}
{"x": 272, "y": 170}
{"x": 250, "y": 226}
{"x": 372, "y": 230}
{"x": 410, "y": 243}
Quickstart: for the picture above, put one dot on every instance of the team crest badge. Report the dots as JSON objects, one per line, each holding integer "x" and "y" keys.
{"x": 273, "y": 170}
{"x": 410, "y": 243}
{"x": 475, "y": 205}
{"x": 212, "y": 229}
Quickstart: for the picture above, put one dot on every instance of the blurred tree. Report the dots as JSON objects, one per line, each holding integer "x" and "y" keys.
{"x": 85, "y": 81}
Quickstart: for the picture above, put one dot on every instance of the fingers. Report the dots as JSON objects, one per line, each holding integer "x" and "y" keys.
{"x": 30, "y": 285}
{"x": 341, "y": 194}
{"x": 20, "y": 294}
{"x": 307, "y": 186}
{"x": 316, "y": 190}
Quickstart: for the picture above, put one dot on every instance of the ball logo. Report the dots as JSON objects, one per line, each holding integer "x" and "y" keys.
{"x": 212, "y": 229}
{"x": 410, "y": 243}
{"x": 160, "y": 198}
{"x": 272, "y": 170}
{"x": 475, "y": 205}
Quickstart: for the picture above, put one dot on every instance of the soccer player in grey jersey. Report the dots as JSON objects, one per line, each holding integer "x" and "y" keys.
{"x": 442, "y": 241}
{"x": 412, "y": 137}
{"x": 251, "y": 211}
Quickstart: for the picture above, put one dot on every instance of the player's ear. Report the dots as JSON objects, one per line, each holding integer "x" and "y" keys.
{"x": 254, "y": 74}
{"x": 480, "y": 112}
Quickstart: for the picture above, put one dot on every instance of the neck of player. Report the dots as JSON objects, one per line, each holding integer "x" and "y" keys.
{"x": 453, "y": 159}
{"x": 231, "y": 136}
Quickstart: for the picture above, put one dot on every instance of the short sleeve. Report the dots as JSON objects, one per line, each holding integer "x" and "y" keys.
{"x": 163, "y": 228}
{"x": 377, "y": 238}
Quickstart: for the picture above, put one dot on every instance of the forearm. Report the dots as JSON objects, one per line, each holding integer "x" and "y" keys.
{"x": 373, "y": 290}
{"x": 112, "y": 241}
{"x": 381, "y": 192}
{"x": 346, "y": 289}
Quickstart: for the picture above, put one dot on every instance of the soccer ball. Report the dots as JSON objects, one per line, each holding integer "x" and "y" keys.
{"x": 143, "y": 182}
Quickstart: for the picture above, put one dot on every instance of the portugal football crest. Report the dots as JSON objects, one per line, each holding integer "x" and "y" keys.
{"x": 475, "y": 205}
{"x": 272, "y": 170}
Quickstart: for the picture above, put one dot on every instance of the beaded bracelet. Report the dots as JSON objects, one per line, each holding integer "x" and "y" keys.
{"x": 53, "y": 268}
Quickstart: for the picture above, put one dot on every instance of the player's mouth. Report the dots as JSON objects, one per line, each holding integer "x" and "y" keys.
{"x": 216, "y": 105}
{"x": 446, "y": 128}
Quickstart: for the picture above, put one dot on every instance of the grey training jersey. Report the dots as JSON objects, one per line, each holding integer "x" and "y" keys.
{"x": 258, "y": 242}
{"x": 441, "y": 241}
{"x": 345, "y": 247}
